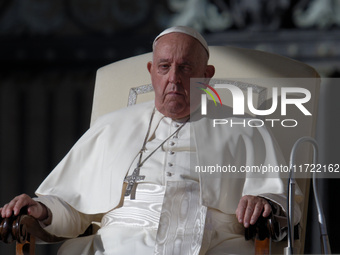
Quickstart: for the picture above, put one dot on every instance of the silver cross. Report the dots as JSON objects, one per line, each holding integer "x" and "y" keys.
{"x": 131, "y": 181}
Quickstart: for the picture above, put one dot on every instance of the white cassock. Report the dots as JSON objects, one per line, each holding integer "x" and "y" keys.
{"x": 177, "y": 210}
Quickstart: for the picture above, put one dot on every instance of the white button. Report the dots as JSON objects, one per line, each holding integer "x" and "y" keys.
{"x": 171, "y": 152}
{"x": 172, "y": 143}
{"x": 170, "y": 164}
{"x": 168, "y": 174}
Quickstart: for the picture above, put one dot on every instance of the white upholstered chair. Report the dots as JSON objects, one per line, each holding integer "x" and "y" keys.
{"x": 116, "y": 81}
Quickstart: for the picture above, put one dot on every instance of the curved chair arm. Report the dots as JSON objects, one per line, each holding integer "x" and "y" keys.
{"x": 263, "y": 231}
{"x": 264, "y": 228}
{"x": 19, "y": 228}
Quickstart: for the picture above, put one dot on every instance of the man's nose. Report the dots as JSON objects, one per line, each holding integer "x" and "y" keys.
{"x": 174, "y": 76}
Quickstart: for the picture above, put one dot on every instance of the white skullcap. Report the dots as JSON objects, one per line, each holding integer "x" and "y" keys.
{"x": 185, "y": 30}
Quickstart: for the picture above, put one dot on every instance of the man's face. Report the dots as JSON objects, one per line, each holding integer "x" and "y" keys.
{"x": 177, "y": 57}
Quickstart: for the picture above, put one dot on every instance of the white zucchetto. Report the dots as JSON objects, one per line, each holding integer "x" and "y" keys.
{"x": 185, "y": 30}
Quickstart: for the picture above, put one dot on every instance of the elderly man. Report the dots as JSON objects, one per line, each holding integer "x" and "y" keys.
{"x": 173, "y": 209}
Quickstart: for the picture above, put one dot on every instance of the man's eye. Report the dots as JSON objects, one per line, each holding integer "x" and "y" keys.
{"x": 186, "y": 68}
{"x": 164, "y": 67}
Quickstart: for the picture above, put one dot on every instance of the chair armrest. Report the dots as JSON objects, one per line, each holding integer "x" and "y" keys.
{"x": 261, "y": 230}
{"x": 265, "y": 228}
{"x": 19, "y": 228}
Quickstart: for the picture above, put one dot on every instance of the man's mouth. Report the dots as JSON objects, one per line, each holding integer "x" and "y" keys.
{"x": 174, "y": 93}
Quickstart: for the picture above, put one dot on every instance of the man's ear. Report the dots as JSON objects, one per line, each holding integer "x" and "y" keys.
{"x": 209, "y": 71}
{"x": 149, "y": 65}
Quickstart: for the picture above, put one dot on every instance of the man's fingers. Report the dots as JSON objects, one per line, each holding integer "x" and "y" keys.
{"x": 240, "y": 211}
{"x": 267, "y": 210}
{"x": 248, "y": 213}
{"x": 34, "y": 211}
{"x": 245, "y": 210}
{"x": 15, "y": 205}
{"x": 250, "y": 208}
{"x": 256, "y": 214}
{"x": 3, "y": 211}
{"x": 8, "y": 209}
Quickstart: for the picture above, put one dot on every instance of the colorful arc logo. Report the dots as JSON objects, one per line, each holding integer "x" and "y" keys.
{"x": 209, "y": 93}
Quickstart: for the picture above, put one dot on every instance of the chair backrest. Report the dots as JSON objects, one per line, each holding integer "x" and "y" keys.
{"x": 114, "y": 82}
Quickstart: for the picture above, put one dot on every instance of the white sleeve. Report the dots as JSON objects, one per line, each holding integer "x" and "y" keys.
{"x": 66, "y": 221}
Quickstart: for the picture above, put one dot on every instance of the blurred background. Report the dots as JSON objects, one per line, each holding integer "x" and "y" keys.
{"x": 50, "y": 51}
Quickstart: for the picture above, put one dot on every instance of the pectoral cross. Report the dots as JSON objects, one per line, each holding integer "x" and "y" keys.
{"x": 131, "y": 181}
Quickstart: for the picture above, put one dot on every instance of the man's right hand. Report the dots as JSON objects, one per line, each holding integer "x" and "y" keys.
{"x": 34, "y": 208}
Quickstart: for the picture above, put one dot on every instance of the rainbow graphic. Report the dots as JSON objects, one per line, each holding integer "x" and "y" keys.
{"x": 209, "y": 93}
